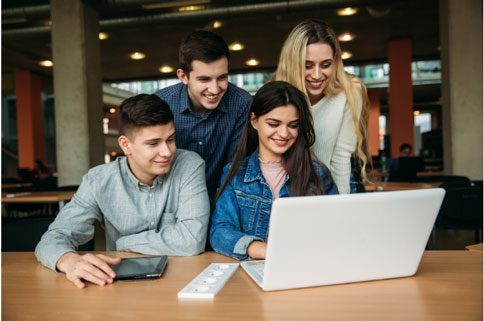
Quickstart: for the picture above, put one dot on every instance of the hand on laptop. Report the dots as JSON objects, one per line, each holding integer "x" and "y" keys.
{"x": 257, "y": 250}
{"x": 90, "y": 267}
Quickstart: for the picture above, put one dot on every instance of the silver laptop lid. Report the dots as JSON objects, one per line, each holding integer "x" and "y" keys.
{"x": 333, "y": 239}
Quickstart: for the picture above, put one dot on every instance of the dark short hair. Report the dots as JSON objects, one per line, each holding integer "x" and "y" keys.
{"x": 201, "y": 45}
{"x": 405, "y": 146}
{"x": 143, "y": 110}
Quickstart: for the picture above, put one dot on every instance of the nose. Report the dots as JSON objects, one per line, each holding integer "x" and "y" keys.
{"x": 316, "y": 72}
{"x": 213, "y": 87}
{"x": 283, "y": 131}
{"x": 165, "y": 150}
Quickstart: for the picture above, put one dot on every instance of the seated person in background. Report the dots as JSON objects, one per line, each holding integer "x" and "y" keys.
{"x": 404, "y": 168}
{"x": 273, "y": 160}
{"x": 40, "y": 170}
{"x": 209, "y": 111}
{"x": 153, "y": 201}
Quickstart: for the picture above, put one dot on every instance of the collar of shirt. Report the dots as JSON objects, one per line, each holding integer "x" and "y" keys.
{"x": 253, "y": 171}
{"x": 186, "y": 107}
{"x": 135, "y": 181}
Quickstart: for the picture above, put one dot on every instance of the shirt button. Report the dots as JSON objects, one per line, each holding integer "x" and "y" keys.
{"x": 200, "y": 143}
{"x": 151, "y": 195}
{"x": 152, "y": 223}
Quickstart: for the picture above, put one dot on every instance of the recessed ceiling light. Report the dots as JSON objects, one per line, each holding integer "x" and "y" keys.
{"x": 103, "y": 35}
{"x": 347, "y": 11}
{"x": 217, "y": 24}
{"x": 346, "y": 36}
{"x": 166, "y": 69}
{"x": 416, "y": 112}
{"x": 112, "y": 110}
{"x": 236, "y": 46}
{"x": 46, "y": 63}
{"x": 346, "y": 55}
{"x": 114, "y": 154}
{"x": 252, "y": 62}
{"x": 137, "y": 56}
{"x": 191, "y": 8}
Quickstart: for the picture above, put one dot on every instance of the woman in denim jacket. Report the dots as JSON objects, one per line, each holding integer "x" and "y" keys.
{"x": 273, "y": 160}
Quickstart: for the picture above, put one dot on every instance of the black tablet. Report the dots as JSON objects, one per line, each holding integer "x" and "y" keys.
{"x": 140, "y": 268}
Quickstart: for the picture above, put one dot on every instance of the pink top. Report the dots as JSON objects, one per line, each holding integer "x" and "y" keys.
{"x": 274, "y": 174}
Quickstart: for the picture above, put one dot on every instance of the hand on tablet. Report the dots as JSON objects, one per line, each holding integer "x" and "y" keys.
{"x": 90, "y": 267}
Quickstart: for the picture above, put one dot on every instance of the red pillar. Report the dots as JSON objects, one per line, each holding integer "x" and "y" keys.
{"x": 401, "y": 95}
{"x": 30, "y": 132}
{"x": 374, "y": 121}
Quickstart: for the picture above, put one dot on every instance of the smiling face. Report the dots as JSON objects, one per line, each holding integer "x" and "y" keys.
{"x": 150, "y": 151}
{"x": 277, "y": 131}
{"x": 207, "y": 83}
{"x": 319, "y": 67}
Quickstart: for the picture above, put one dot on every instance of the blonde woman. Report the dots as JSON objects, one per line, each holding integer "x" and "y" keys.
{"x": 311, "y": 61}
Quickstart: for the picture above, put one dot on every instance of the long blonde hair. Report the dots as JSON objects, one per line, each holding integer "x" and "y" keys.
{"x": 291, "y": 68}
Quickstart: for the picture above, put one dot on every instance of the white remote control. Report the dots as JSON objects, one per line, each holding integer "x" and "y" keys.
{"x": 207, "y": 284}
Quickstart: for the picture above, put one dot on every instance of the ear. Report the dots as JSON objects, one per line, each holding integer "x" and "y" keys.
{"x": 125, "y": 145}
{"x": 253, "y": 120}
{"x": 182, "y": 76}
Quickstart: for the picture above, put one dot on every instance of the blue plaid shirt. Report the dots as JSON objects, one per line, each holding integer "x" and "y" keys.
{"x": 215, "y": 135}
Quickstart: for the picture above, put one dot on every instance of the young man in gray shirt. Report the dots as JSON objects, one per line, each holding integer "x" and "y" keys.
{"x": 153, "y": 201}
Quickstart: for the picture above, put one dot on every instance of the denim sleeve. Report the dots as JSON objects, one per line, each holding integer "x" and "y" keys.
{"x": 226, "y": 236}
{"x": 73, "y": 226}
{"x": 189, "y": 233}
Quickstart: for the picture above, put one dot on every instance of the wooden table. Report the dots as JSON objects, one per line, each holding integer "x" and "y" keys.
{"x": 447, "y": 286}
{"x": 398, "y": 186}
{"x": 475, "y": 248}
{"x": 39, "y": 197}
{"x": 15, "y": 185}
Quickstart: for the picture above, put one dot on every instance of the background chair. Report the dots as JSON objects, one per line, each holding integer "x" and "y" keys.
{"x": 22, "y": 235}
{"x": 461, "y": 209}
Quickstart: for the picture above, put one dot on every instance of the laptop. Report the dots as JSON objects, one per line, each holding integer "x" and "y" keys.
{"x": 333, "y": 239}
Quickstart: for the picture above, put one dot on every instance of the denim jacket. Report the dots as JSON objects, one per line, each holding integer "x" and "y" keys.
{"x": 243, "y": 209}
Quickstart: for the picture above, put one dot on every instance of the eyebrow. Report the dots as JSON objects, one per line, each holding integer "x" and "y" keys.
{"x": 208, "y": 77}
{"x": 279, "y": 121}
{"x": 327, "y": 60}
{"x": 158, "y": 139}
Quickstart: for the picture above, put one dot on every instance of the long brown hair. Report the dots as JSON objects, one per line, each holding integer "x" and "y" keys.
{"x": 291, "y": 68}
{"x": 297, "y": 160}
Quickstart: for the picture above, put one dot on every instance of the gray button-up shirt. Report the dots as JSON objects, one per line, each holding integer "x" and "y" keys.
{"x": 168, "y": 218}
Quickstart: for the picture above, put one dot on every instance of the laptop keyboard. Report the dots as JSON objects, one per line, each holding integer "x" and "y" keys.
{"x": 258, "y": 267}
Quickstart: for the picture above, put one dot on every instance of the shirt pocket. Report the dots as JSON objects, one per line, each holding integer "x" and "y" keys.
{"x": 248, "y": 209}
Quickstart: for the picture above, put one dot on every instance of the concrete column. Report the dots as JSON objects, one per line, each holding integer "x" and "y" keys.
{"x": 374, "y": 122}
{"x": 462, "y": 104}
{"x": 401, "y": 94}
{"x": 28, "y": 90}
{"x": 77, "y": 89}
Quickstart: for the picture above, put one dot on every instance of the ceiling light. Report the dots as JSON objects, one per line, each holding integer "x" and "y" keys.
{"x": 170, "y": 4}
{"x": 236, "y": 46}
{"x": 252, "y": 62}
{"x": 416, "y": 112}
{"x": 346, "y": 55}
{"x": 346, "y": 36}
{"x": 191, "y": 8}
{"x": 166, "y": 69}
{"x": 112, "y": 110}
{"x": 114, "y": 154}
{"x": 46, "y": 63}
{"x": 103, "y": 36}
{"x": 137, "y": 56}
{"x": 347, "y": 11}
{"x": 217, "y": 24}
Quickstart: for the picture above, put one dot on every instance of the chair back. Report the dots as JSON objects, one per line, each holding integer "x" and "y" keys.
{"x": 461, "y": 208}
{"x": 23, "y": 235}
